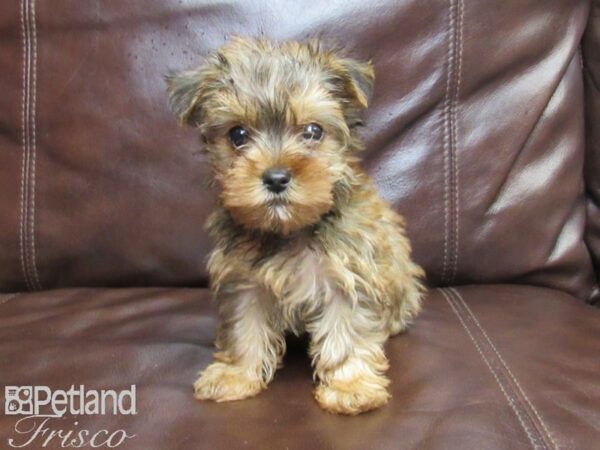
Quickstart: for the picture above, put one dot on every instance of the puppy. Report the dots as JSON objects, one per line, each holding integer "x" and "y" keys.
{"x": 302, "y": 241}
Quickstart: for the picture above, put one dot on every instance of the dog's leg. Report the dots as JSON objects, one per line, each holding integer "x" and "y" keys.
{"x": 410, "y": 292}
{"x": 249, "y": 348}
{"x": 347, "y": 350}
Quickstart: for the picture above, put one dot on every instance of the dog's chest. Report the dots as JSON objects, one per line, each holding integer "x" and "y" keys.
{"x": 299, "y": 282}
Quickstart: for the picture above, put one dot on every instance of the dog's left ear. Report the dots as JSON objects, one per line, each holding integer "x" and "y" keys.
{"x": 356, "y": 79}
{"x": 185, "y": 91}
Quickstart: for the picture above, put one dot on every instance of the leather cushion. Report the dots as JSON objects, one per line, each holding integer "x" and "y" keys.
{"x": 591, "y": 59}
{"x": 475, "y": 134}
{"x": 492, "y": 367}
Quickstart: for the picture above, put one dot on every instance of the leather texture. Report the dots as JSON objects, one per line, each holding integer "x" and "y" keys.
{"x": 475, "y": 134}
{"x": 484, "y": 367}
{"x": 482, "y": 131}
{"x": 591, "y": 65}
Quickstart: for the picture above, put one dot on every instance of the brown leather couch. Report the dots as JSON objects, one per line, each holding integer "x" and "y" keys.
{"x": 483, "y": 132}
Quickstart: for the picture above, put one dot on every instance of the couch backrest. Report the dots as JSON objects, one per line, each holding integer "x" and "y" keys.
{"x": 591, "y": 58}
{"x": 475, "y": 134}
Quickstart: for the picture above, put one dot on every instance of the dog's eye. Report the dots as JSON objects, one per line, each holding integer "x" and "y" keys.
{"x": 238, "y": 136}
{"x": 312, "y": 132}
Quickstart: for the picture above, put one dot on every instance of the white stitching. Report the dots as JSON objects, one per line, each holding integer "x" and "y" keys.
{"x": 446, "y": 137}
{"x": 510, "y": 400}
{"x": 25, "y": 134}
{"x": 460, "y": 297}
{"x": 23, "y": 144}
{"x": 459, "y": 38}
{"x": 33, "y": 148}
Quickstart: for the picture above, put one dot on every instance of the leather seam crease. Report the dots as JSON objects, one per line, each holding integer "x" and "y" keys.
{"x": 24, "y": 143}
{"x": 36, "y": 277}
{"x": 449, "y": 137}
{"x": 28, "y": 162}
{"x": 545, "y": 428}
{"x": 445, "y": 115}
{"x": 492, "y": 363}
{"x": 459, "y": 38}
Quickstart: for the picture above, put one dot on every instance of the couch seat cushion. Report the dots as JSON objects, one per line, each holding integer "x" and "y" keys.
{"x": 483, "y": 367}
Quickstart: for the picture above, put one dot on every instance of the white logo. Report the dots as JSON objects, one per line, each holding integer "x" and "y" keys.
{"x": 38, "y": 400}
{"x": 18, "y": 400}
{"x": 39, "y": 405}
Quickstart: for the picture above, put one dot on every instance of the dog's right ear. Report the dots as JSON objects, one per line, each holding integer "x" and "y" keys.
{"x": 185, "y": 91}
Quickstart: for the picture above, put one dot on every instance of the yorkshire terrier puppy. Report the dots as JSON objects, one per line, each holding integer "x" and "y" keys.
{"x": 302, "y": 241}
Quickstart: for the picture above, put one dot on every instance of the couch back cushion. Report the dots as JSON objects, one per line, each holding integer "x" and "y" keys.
{"x": 475, "y": 134}
{"x": 591, "y": 58}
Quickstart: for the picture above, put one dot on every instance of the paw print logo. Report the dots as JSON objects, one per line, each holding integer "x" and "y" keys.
{"x": 19, "y": 400}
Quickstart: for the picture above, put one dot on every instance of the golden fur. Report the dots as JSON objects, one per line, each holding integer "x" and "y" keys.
{"x": 327, "y": 256}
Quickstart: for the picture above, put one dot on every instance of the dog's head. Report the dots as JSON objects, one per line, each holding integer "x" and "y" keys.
{"x": 277, "y": 124}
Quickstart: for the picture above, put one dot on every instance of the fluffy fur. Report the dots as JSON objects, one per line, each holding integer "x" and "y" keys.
{"x": 327, "y": 256}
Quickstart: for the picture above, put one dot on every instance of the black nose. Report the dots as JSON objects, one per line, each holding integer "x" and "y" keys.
{"x": 276, "y": 180}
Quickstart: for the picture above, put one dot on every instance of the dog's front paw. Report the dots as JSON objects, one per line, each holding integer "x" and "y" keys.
{"x": 352, "y": 397}
{"x": 223, "y": 382}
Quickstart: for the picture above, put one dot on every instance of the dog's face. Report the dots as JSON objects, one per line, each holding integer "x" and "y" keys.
{"x": 277, "y": 123}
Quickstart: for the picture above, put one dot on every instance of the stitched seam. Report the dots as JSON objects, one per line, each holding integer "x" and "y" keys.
{"x": 25, "y": 143}
{"x": 459, "y": 46}
{"x": 510, "y": 400}
{"x": 453, "y": 293}
{"x": 33, "y": 150}
{"x": 506, "y": 366}
{"x": 446, "y": 139}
